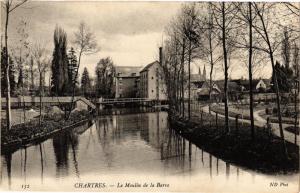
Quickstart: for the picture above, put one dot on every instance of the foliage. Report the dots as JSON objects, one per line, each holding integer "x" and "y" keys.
{"x": 59, "y": 68}
{"x": 105, "y": 72}
{"x": 72, "y": 68}
{"x": 85, "y": 82}
{"x": 284, "y": 77}
{"x": 12, "y": 73}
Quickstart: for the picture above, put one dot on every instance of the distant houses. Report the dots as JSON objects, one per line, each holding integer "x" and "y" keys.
{"x": 237, "y": 89}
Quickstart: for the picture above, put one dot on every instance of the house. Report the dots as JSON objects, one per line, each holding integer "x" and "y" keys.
{"x": 127, "y": 82}
{"x": 200, "y": 91}
{"x": 152, "y": 85}
{"x": 258, "y": 85}
{"x": 233, "y": 89}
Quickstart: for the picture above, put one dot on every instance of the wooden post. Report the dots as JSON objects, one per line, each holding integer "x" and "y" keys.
{"x": 269, "y": 126}
{"x": 236, "y": 123}
{"x": 201, "y": 120}
{"x": 217, "y": 120}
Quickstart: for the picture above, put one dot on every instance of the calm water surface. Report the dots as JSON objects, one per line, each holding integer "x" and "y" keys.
{"x": 137, "y": 148}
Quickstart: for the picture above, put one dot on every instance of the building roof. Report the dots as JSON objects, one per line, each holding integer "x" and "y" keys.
{"x": 205, "y": 91}
{"x": 86, "y": 102}
{"x": 246, "y": 84}
{"x": 148, "y": 66}
{"x": 198, "y": 84}
{"x": 232, "y": 86}
{"x": 125, "y": 71}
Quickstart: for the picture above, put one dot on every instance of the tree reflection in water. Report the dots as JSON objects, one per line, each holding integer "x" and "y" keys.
{"x": 62, "y": 143}
{"x": 118, "y": 143}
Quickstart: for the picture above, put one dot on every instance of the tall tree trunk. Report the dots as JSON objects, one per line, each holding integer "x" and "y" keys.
{"x": 182, "y": 76}
{"x": 8, "y": 107}
{"x": 210, "y": 55}
{"x": 189, "y": 81}
{"x": 250, "y": 70}
{"x": 226, "y": 68}
{"x": 32, "y": 73}
{"x": 296, "y": 111}
{"x": 276, "y": 84}
{"x": 211, "y": 65}
{"x": 41, "y": 90}
{"x": 278, "y": 106}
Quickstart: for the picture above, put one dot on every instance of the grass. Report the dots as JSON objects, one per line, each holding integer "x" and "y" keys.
{"x": 264, "y": 153}
{"x": 232, "y": 111}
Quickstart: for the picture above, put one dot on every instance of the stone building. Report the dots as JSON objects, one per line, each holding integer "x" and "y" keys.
{"x": 127, "y": 82}
{"x": 151, "y": 84}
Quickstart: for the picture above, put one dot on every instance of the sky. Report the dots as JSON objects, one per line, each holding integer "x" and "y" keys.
{"x": 129, "y": 33}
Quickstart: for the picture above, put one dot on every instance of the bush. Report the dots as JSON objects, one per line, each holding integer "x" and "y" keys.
{"x": 275, "y": 111}
{"x": 267, "y": 111}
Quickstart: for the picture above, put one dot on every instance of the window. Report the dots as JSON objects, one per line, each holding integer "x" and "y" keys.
{"x": 152, "y": 77}
{"x": 152, "y": 91}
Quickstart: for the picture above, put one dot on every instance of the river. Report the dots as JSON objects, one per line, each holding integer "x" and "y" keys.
{"x": 134, "y": 148}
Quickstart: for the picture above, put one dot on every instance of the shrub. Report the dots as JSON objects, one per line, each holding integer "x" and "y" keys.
{"x": 275, "y": 111}
{"x": 267, "y": 111}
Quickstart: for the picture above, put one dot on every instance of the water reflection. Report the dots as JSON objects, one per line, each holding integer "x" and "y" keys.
{"x": 119, "y": 144}
{"x": 64, "y": 143}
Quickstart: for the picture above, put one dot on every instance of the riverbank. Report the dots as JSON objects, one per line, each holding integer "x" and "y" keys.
{"x": 264, "y": 154}
{"x": 31, "y": 132}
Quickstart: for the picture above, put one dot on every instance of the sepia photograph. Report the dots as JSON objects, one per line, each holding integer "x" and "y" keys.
{"x": 150, "y": 96}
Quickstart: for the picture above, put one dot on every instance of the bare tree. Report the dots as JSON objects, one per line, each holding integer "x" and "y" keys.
{"x": 21, "y": 53}
{"x": 86, "y": 43}
{"x": 210, "y": 48}
{"x": 9, "y": 6}
{"x": 180, "y": 50}
{"x": 42, "y": 63}
{"x": 294, "y": 8}
{"x": 190, "y": 19}
{"x": 263, "y": 10}
{"x": 245, "y": 19}
{"x": 224, "y": 15}
{"x": 170, "y": 68}
{"x": 296, "y": 64}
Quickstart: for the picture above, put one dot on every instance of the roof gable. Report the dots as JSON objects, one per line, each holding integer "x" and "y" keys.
{"x": 149, "y": 65}
{"x": 127, "y": 70}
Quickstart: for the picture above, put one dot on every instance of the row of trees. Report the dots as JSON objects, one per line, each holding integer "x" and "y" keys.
{"x": 28, "y": 61}
{"x": 104, "y": 80}
{"x": 217, "y": 33}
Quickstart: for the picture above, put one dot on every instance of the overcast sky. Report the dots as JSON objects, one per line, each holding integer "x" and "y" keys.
{"x": 129, "y": 33}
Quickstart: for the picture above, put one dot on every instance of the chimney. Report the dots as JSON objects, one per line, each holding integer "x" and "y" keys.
{"x": 160, "y": 55}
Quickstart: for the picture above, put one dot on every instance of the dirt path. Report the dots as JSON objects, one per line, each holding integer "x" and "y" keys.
{"x": 287, "y": 135}
{"x": 261, "y": 122}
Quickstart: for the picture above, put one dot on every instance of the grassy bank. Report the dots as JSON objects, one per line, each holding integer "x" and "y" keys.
{"x": 264, "y": 154}
{"x": 232, "y": 112}
{"x": 26, "y": 133}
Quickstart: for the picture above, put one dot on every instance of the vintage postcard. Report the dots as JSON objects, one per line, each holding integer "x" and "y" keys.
{"x": 128, "y": 96}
